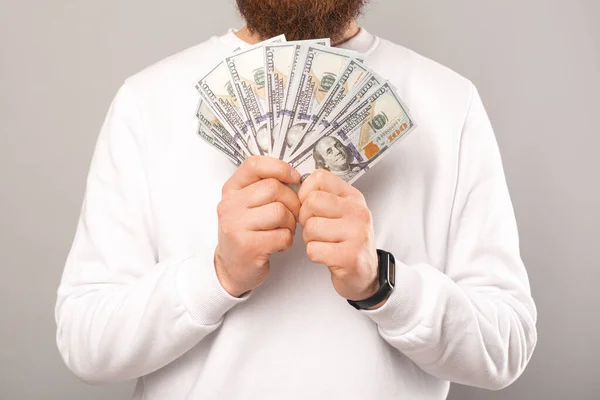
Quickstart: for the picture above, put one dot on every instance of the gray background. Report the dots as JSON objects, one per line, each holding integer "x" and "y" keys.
{"x": 535, "y": 62}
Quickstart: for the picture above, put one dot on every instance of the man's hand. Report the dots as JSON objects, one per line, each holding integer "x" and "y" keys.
{"x": 257, "y": 217}
{"x": 338, "y": 232}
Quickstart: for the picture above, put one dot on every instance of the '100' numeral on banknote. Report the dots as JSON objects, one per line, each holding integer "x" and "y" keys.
{"x": 362, "y": 137}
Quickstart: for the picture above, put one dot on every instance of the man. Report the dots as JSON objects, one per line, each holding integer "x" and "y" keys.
{"x": 192, "y": 276}
{"x": 331, "y": 155}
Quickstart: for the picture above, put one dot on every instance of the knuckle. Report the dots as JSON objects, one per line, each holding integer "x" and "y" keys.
{"x": 251, "y": 162}
{"x": 310, "y": 251}
{"x": 221, "y": 210}
{"x": 279, "y": 210}
{"x": 287, "y": 238}
{"x": 225, "y": 191}
{"x": 246, "y": 163}
{"x": 358, "y": 200}
{"x": 360, "y": 197}
{"x": 365, "y": 232}
{"x": 342, "y": 274}
{"x": 230, "y": 236}
{"x": 364, "y": 214}
{"x": 233, "y": 235}
{"x": 225, "y": 231}
{"x": 315, "y": 253}
{"x": 295, "y": 207}
{"x": 306, "y": 237}
{"x": 244, "y": 244}
{"x": 310, "y": 225}
{"x": 356, "y": 195}
{"x": 271, "y": 185}
{"x": 282, "y": 169}
{"x": 318, "y": 175}
{"x": 253, "y": 264}
{"x": 257, "y": 264}
{"x": 313, "y": 198}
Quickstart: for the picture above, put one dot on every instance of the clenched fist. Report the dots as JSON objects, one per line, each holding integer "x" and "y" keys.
{"x": 257, "y": 217}
{"x": 338, "y": 232}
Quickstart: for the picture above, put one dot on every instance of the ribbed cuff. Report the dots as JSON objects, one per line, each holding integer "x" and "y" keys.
{"x": 401, "y": 311}
{"x": 201, "y": 292}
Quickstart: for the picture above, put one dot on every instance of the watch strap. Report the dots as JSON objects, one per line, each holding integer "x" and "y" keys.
{"x": 386, "y": 272}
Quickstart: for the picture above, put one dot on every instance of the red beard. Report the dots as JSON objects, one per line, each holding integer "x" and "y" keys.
{"x": 300, "y": 19}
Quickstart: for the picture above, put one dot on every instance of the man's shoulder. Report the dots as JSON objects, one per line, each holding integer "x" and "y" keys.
{"x": 179, "y": 70}
{"x": 437, "y": 96}
{"x": 419, "y": 69}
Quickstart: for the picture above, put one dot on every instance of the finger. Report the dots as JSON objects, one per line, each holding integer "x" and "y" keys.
{"x": 275, "y": 240}
{"x": 271, "y": 190}
{"x": 324, "y": 253}
{"x": 326, "y": 230}
{"x": 328, "y": 182}
{"x": 256, "y": 168}
{"x": 269, "y": 217}
{"x": 322, "y": 204}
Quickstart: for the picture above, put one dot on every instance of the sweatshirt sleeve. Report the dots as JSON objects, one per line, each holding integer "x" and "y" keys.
{"x": 472, "y": 321}
{"x": 120, "y": 313}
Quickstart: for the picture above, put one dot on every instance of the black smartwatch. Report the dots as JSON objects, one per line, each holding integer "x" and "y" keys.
{"x": 387, "y": 279}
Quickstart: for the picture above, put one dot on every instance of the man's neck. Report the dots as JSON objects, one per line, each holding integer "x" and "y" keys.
{"x": 252, "y": 38}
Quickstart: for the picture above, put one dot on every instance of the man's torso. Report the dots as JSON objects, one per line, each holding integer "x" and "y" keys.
{"x": 295, "y": 336}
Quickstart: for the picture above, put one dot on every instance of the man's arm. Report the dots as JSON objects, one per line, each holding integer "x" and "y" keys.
{"x": 474, "y": 322}
{"x": 120, "y": 314}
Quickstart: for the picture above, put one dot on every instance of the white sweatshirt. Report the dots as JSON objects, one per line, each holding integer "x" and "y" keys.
{"x": 139, "y": 297}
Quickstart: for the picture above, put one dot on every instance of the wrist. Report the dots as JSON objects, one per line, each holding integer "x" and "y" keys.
{"x": 373, "y": 280}
{"x": 380, "y": 288}
{"x": 224, "y": 278}
{"x": 374, "y": 288}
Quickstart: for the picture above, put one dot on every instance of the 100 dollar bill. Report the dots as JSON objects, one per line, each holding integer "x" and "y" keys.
{"x": 369, "y": 86}
{"x": 217, "y": 132}
{"x": 218, "y": 91}
{"x": 247, "y": 71}
{"x": 321, "y": 68}
{"x": 205, "y": 134}
{"x": 364, "y": 135}
{"x": 354, "y": 75}
{"x": 328, "y": 124}
{"x": 281, "y": 63}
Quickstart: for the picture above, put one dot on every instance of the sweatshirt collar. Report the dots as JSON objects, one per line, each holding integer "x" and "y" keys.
{"x": 231, "y": 41}
{"x": 364, "y": 42}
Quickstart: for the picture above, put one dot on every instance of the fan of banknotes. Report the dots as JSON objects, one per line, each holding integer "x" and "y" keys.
{"x": 304, "y": 102}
